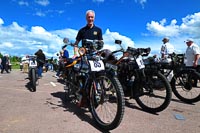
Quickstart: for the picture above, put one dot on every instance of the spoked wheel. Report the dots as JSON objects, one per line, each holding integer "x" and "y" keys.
{"x": 186, "y": 86}
{"x": 33, "y": 79}
{"x": 69, "y": 93}
{"x": 155, "y": 93}
{"x": 107, "y": 102}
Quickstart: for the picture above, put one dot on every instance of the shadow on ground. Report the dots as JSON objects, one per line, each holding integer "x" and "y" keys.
{"x": 81, "y": 113}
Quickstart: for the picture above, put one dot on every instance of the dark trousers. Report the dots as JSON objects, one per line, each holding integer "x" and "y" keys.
{"x": 40, "y": 70}
{"x": 4, "y": 67}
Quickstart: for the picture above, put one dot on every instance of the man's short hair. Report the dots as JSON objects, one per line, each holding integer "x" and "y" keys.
{"x": 90, "y": 11}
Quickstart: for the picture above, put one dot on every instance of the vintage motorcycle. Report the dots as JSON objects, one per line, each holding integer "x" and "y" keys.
{"x": 148, "y": 87}
{"x": 88, "y": 84}
{"x": 32, "y": 72}
{"x": 184, "y": 80}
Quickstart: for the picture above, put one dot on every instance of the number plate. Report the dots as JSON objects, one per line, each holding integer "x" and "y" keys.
{"x": 140, "y": 62}
{"x": 97, "y": 65}
{"x": 32, "y": 64}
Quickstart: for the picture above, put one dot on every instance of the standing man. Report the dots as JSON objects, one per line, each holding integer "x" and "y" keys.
{"x": 0, "y": 63}
{"x": 41, "y": 61}
{"x": 90, "y": 31}
{"x": 166, "y": 48}
{"x": 192, "y": 53}
{"x": 4, "y": 63}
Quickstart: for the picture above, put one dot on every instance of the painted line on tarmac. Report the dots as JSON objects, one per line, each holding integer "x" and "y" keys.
{"x": 23, "y": 90}
{"x": 52, "y": 83}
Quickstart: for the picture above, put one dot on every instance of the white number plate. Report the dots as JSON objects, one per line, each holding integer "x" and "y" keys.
{"x": 97, "y": 65}
{"x": 32, "y": 64}
{"x": 140, "y": 62}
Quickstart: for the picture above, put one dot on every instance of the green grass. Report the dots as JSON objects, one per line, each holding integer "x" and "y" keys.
{"x": 15, "y": 65}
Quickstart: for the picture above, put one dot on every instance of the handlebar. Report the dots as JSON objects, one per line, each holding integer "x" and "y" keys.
{"x": 120, "y": 50}
{"x": 139, "y": 51}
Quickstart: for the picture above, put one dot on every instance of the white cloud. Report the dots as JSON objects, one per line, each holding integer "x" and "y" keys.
{"x": 1, "y": 21}
{"x": 21, "y": 41}
{"x": 7, "y": 44}
{"x": 160, "y": 29}
{"x": 17, "y": 40}
{"x": 68, "y": 2}
{"x": 98, "y": 0}
{"x": 16, "y": 27}
{"x": 189, "y": 27}
{"x": 39, "y": 13}
{"x": 23, "y": 3}
{"x": 142, "y": 2}
{"x": 110, "y": 37}
{"x": 42, "y": 2}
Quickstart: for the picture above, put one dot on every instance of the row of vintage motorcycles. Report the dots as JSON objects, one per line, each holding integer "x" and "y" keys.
{"x": 100, "y": 80}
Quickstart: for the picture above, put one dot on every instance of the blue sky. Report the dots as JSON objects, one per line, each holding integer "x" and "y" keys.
{"x": 27, "y": 25}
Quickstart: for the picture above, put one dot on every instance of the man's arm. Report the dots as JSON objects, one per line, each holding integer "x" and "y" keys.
{"x": 76, "y": 48}
{"x": 196, "y": 58}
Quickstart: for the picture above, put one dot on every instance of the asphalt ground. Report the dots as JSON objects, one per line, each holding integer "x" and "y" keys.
{"x": 43, "y": 111}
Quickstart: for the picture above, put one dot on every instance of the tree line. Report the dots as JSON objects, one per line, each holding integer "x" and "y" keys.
{"x": 12, "y": 58}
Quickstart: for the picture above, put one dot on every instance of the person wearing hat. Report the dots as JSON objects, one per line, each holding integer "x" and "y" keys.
{"x": 63, "y": 59}
{"x": 166, "y": 48}
{"x": 65, "y": 52}
{"x": 192, "y": 53}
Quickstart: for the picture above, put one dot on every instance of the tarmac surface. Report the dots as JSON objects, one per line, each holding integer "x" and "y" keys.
{"x": 43, "y": 111}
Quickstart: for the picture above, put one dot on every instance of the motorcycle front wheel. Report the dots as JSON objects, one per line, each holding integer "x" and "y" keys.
{"x": 186, "y": 86}
{"x": 33, "y": 79}
{"x": 155, "y": 93}
{"x": 107, "y": 101}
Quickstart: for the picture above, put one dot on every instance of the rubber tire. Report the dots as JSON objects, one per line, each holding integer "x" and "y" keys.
{"x": 121, "y": 105}
{"x": 176, "y": 93}
{"x": 168, "y": 97}
{"x": 33, "y": 79}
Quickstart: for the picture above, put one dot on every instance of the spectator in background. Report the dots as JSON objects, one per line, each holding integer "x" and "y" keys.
{"x": 21, "y": 65}
{"x": 40, "y": 61}
{"x": 4, "y": 63}
{"x": 65, "y": 52}
{"x": 63, "y": 59}
{"x": 9, "y": 64}
{"x": 25, "y": 62}
{"x": 51, "y": 64}
{"x": 166, "y": 48}
{"x": 0, "y": 64}
{"x": 192, "y": 53}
